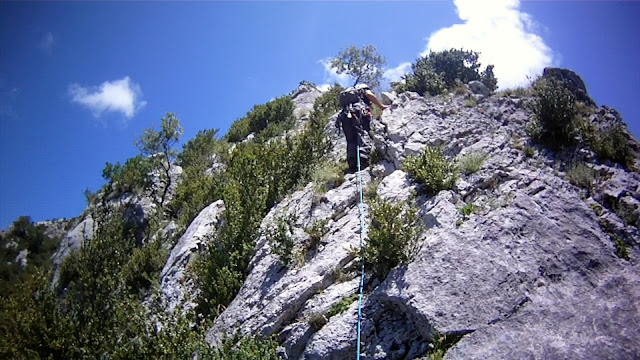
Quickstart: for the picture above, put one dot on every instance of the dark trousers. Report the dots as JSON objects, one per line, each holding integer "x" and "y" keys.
{"x": 354, "y": 138}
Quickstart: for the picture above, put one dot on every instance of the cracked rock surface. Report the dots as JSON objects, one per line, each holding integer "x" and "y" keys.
{"x": 532, "y": 272}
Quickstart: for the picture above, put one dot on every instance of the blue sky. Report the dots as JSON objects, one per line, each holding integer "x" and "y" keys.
{"x": 80, "y": 81}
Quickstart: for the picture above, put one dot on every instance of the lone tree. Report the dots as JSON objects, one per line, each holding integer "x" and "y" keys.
{"x": 364, "y": 65}
{"x": 158, "y": 145}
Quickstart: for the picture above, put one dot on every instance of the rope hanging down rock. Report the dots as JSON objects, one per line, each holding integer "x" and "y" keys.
{"x": 362, "y": 214}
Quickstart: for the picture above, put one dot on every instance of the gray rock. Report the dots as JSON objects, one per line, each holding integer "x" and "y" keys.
{"x": 529, "y": 273}
{"x": 303, "y": 99}
{"x": 176, "y": 283}
{"x": 571, "y": 80}
{"x": 21, "y": 258}
{"x": 388, "y": 98}
{"x": 71, "y": 242}
{"x": 479, "y": 88}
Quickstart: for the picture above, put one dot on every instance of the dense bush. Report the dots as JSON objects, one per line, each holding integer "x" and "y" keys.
{"x": 432, "y": 170}
{"x": 132, "y": 177}
{"x": 392, "y": 236}
{"x": 328, "y": 103}
{"x": 258, "y": 175}
{"x": 23, "y": 235}
{"x": 611, "y": 144}
{"x": 266, "y": 120}
{"x": 100, "y": 315}
{"x": 280, "y": 239}
{"x": 439, "y": 71}
{"x": 554, "y": 114}
{"x": 197, "y": 189}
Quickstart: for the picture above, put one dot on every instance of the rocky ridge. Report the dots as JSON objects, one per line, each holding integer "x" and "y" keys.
{"x": 531, "y": 273}
{"x": 532, "y": 268}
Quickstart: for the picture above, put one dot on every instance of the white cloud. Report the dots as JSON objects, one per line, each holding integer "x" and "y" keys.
{"x": 324, "y": 87}
{"x": 395, "y": 74}
{"x": 331, "y": 76}
{"x": 117, "y": 96}
{"x": 502, "y": 34}
{"x": 47, "y": 43}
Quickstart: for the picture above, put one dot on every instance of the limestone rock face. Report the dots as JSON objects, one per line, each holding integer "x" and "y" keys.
{"x": 572, "y": 81}
{"x": 303, "y": 98}
{"x": 532, "y": 272}
{"x": 72, "y": 241}
{"x": 176, "y": 284}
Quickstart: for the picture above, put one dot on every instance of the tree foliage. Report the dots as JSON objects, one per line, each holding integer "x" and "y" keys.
{"x": 364, "y": 64}
{"x": 198, "y": 188}
{"x": 439, "y": 71}
{"x": 158, "y": 147}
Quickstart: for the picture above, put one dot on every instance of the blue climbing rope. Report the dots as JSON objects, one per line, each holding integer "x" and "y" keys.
{"x": 361, "y": 207}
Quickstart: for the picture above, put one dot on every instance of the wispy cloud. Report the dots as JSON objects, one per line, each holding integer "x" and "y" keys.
{"x": 502, "y": 34}
{"x": 122, "y": 96}
{"x": 395, "y": 74}
{"x": 47, "y": 43}
{"x": 331, "y": 76}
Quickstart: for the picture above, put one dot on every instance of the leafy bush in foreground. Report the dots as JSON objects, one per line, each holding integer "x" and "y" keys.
{"x": 432, "y": 170}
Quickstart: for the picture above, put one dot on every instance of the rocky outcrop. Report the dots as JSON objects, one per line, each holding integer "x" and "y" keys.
{"x": 176, "y": 283}
{"x": 72, "y": 241}
{"x": 479, "y": 88}
{"x": 572, "y": 81}
{"x": 303, "y": 98}
{"x": 531, "y": 273}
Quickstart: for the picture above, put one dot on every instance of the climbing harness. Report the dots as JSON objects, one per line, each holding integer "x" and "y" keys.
{"x": 361, "y": 207}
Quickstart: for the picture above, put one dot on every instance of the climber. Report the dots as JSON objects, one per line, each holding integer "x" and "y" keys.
{"x": 355, "y": 119}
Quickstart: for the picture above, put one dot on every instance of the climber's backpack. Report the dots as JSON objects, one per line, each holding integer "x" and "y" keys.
{"x": 351, "y": 96}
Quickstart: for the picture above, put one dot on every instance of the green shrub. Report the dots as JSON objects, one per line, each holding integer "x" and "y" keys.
{"x": 315, "y": 232}
{"x": 529, "y": 151}
{"x": 472, "y": 162}
{"x": 621, "y": 248}
{"x": 317, "y": 320}
{"x": 443, "y": 70}
{"x": 392, "y": 236}
{"x": 342, "y": 305}
{"x": 612, "y": 145}
{"x": 440, "y": 343}
{"x": 199, "y": 151}
{"x": 132, "y": 177}
{"x": 432, "y": 170}
{"x": 328, "y": 103}
{"x": 518, "y": 92}
{"x": 582, "y": 176}
{"x": 471, "y": 102}
{"x": 328, "y": 176}
{"x": 280, "y": 239}
{"x": 26, "y": 235}
{"x": 258, "y": 175}
{"x": 197, "y": 189}
{"x": 460, "y": 90}
{"x": 555, "y": 114}
{"x": 238, "y": 130}
{"x": 243, "y": 348}
{"x": 265, "y": 120}
{"x": 467, "y": 210}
